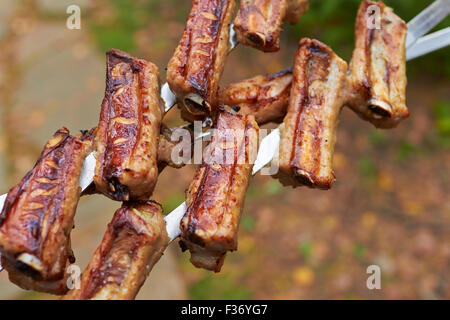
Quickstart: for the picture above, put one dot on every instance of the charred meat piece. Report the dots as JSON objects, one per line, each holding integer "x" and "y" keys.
{"x": 128, "y": 132}
{"x": 195, "y": 69}
{"x": 258, "y": 23}
{"x": 266, "y": 97}
{"x": 134, "y": 241}
{"x": 38, "y": 213}
{"x": 377, "y": 87}
{"x": 216, "y": 196}
{"x": 309, "y": 132}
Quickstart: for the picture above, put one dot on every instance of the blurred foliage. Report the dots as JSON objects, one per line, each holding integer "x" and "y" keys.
{"x": 378, "y": 138}
{"x": 405, "y": 150}
{"x": 123, "y": 18}
{"x": 218, "y": 287}
{"x": 441, "y": 112}
{"x": 359, "y": 251}
{"x": 305, "y": 249}
{"x": 172, "y": 201}
{"x": 253, "y": 192}
{"x": 248, "y": 223}
{"x": 118, "y": 28}
{"x": 273, "y": 187}
{"x": 367, "y": 169}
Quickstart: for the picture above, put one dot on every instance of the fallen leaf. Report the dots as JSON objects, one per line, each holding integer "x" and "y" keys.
{"x": 369, "y": 219}
{"x": 304, "y": 276}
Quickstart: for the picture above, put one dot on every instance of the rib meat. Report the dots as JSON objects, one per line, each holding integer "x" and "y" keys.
{"x": 195, "y": 69}
{"x": 378, "y": 68}
{"x": 38, "y": 213}
{"x": 134, "y": 241}
{"x": 258, "y": 22}
{"x": 309, "y": 128}
{"x": 128, "y": 132}
{"x": 216, "y": 196}
{"x": 264, "y": 96}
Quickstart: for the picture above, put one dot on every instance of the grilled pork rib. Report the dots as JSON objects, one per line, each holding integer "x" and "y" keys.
{"x": 37, "y": 216}
{"x": 195, "y": 69}
{"x": 309, "y": 131}
{"x": 134, "y": 241}
{"x": 128, "y": 132}
{"x": 258, "y": 23}
{"x": 216, "y": 196}
{"x": 378, "y": 68}
{"x": 266, "y": 97}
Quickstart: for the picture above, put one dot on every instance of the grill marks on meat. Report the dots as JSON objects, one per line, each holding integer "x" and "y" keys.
{"x": 378, "y": 68}
{"x": 258, "y": 23}
{"x": 134, "y": 241}
{"x": 264, "y": 96}
{"x": 216, "y": 196}
{"x": 309, "y": 132}
{"x": 128, "y": 134}
{"x": 195, "y": 69}
{"x": 38, "y": 213}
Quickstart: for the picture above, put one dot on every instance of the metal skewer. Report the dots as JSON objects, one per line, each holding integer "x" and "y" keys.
{"x": 432, "y": 42}
{"x": 427, "y": 20}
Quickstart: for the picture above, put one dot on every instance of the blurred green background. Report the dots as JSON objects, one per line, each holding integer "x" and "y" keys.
{"x": 390, "y": 205}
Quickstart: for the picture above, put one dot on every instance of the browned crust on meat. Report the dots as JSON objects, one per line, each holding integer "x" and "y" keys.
{"x": 309, "y": 132}
{"x": 377, "y": 85}
{"x": 216, "y": 196}
{"x": 258, "y": 22}
{"x": 195, "y": 69}
{"x": 128, "y": 132}
{"x": 38, "y": 213}
{"x": 264, "y": 96}
{"x": 134, "y": 241}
